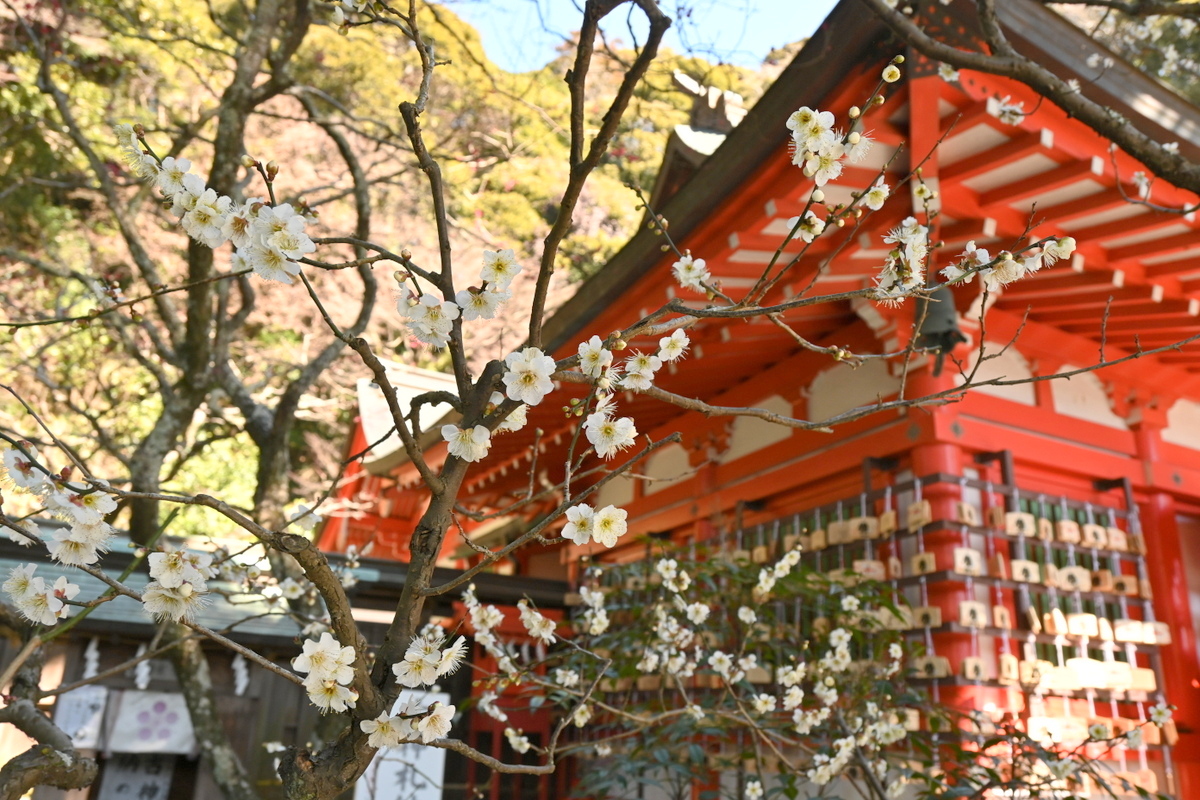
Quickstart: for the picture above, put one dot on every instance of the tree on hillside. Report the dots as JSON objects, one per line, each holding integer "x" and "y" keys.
{"x": 190, "y": 320}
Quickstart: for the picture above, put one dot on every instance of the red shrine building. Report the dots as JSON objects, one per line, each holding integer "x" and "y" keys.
{"x": 1040, "y": 527}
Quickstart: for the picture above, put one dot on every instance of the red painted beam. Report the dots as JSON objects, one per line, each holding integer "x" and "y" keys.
{"x": 1155, "y": 247}
{"x": 1061, "y": 282}
{"x": 1129, "y": 226}
{"x": 1023, "y": 146}
{"x": 1045, "y": 182}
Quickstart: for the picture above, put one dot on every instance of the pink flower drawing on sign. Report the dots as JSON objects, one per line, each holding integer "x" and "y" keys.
{"x": 156, "y": 723}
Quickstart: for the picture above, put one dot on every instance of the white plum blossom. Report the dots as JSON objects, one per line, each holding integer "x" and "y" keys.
{"x": 697, "y": 613}
{"x": 517, "y": 740}
{"x": 764, "y": 704}
{"x": 468, "y": 444}
{"x": 326, "y": 659}
{"x": 171, "y": 174}
{"x": 692, "y": 273}
{"x": 329, "y": 695}
{"x": 499, "y": 268}
{"x": 430, "y": 318}
{"x": 1058, "y": 249}
{"x": 80, "y": 545}
{"x": 173, "y": 568}
{"x": 539, "y": 626}
{"x": 42, "y": 604}
{"x": 1006, "y": 270}
{"x": 825, "y": 164}
{"x": 206, "y": 220}
{"x": 1007, "y": 111}
{"x": 516, "y": 419}
{"x": 876, "y": 196}
{"x": 579, "y": 524}
{"x": 859, "y": 147}
{"x": 268, "y": 263}
{"x": 639, "y": 371}
{"x": 527, "y": 377}
{"x": 947, "y": 72}
{"x": 811, "y": 129}
{"x": 1160, "y": 713}
{"x": 808, "y": 227}
{"x": 608, "y": 525}
{"x": 384, "y": 731}
{"x": 593, "y": 357}
{"x": 609, "y": 436}
{"x": 972, "y": 259}
{"x": 88, "y": 507}
{"x": 479, "y": 303}
{"x": 436, "y": 723}
{"x": 33, "y": 533}
{"x": 673, "y": 347}
{"x": 179, "y": 603}
{"x": 21, "y": 470}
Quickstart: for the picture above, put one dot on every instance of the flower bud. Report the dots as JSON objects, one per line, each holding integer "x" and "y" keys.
{"x": 855, "y": 112}
{"x": 891, "y": 73}
{"x": 406, "y": 253}
{"x": 818, "y": 196}
{"x": 272, "y": 170}
{"x": 249, "y": 161}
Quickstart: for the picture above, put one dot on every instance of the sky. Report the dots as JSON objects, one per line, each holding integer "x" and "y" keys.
{"x": 521, "y": 35}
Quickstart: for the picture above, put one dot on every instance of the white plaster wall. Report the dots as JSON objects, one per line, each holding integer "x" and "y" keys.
{"x": 1183, "y": 425}
{"x": 751, "y": 433}
{"x": 617, "y": 492}
{"x": 1083, "y": 397}
{"x": 667, "y": 467}
{"x": 1009, "y": 365}
{"x": 842, "y": 387}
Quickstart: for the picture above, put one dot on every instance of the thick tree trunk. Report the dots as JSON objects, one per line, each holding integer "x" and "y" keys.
{"x": 191, "y": 668}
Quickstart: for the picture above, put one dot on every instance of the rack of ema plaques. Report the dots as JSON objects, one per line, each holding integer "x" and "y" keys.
{"x": 1027, "y": 604}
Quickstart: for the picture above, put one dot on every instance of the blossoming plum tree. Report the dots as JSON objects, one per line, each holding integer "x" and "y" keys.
{"x": 838, "y": 710}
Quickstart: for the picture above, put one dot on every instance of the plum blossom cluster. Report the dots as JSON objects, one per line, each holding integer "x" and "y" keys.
{"x": 527, "y": 381}
{"x": 269, "y": 239}
{"x": 593, "y": 621}
{"x": 428, "y": 658}
{"x": 540, "y": 627}
{"x": 410, "y": 722}
{"x": 1006, "y": 267}
{"x": 819, "y": 149}
{"x": 608, "y": 433}
{"x": 749, "y": 665}
{"x": 431, "y": 318}
{"x": 904, "y": 267}
{"x": 484, "y": 618}
{"x": 179, "y": 584}
{"x": 38, "y": 601}
{"x": 86, "y": 536}
{"x": 329, "y": 670}
{"x": 585, "y": 524}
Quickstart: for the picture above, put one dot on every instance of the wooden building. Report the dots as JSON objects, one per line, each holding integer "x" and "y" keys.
{"x": 1114, "y": 451}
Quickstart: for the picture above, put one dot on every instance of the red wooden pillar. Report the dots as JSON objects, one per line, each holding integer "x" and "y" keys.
{"x": 1172, "y": 604}
{"x": 934, "y": 454}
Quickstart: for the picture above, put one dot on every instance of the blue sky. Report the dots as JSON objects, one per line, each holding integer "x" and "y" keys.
{"x": 520, "y": 35}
